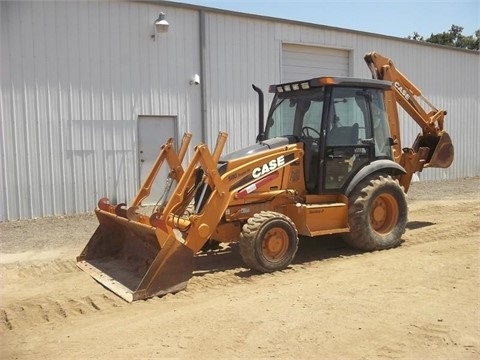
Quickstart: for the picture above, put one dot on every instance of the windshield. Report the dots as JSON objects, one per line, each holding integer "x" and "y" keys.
{"x": 292, "y": 111}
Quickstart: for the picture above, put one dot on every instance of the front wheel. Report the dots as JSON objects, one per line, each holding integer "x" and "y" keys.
{"x": 377, "y": 214}
{"x": 268, "y": 241}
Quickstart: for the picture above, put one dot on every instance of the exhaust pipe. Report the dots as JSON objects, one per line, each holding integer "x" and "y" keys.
{"x": 261, "y": 123}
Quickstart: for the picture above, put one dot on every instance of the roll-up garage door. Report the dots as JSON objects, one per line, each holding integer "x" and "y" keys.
{"x": 301, "y": 62}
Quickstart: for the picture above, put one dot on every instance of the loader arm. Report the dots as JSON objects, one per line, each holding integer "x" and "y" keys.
{"x": 126, "y": 255}
{"x": 433, "y": 146}
{"x": 197, "y": 228}
{"x": 174, "y": 161}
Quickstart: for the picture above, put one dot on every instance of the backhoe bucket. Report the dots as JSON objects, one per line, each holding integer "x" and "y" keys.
{"x": 125, "y": 256}
{"x": 441, "y": 149}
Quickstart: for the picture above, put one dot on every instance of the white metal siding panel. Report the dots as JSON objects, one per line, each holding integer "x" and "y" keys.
{"x": 301, "y": 62}
{"x": 239, "y": 52}
{"x": 74, "y": 78}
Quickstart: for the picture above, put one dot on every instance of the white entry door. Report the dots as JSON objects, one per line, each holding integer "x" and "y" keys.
{"x": 153, "y": 131}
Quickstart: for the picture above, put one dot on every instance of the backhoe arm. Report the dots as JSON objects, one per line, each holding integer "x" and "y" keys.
{"x": 406, "y": 94}
{"x": 433, "y": 146}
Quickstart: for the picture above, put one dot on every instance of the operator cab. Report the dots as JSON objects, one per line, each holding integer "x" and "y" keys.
{"x": 342, "y": 123}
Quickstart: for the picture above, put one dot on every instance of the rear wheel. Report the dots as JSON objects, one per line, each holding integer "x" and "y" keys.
{"x": 377, "y": 214}
{"x": 268, "y": 241}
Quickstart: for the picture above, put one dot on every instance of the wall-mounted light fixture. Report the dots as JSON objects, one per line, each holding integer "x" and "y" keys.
{"x": 195, "y": 80}
{"x": 160, "y": 25}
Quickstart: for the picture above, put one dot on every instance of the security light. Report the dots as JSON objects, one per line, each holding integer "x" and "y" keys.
{"x": 161, "y": 25}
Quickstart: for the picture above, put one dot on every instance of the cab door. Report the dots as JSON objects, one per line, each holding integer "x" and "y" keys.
{"x": 348, "y": 144}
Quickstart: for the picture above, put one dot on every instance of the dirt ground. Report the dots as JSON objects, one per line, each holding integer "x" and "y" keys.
{"x": 419, "y": 300}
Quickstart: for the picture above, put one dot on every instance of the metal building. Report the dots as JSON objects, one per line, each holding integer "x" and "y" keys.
{"x": 90, "y": 90}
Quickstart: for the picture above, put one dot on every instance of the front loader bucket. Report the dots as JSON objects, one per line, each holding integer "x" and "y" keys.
{"x": 441, "y": 149}
{"x": 125, "y": 257}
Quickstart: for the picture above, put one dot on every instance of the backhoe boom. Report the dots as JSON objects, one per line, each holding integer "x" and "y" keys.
{"x": 433, "y": 146}
{"x": 406, "y": 93}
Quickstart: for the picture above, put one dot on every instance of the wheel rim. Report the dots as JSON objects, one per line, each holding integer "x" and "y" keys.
{"x": 384, "y": 214}
{"x": 275, "y": 244}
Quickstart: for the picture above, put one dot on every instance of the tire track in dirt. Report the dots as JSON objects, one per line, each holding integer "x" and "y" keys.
{"x": 28, "y": 271}
{"x": 36, "y": 311}
{"x": 432, "y": 221}
{"x": 212, "y": 272}
{"x": 428, "y": 225}
{"x": 49, "y": 292}
{"x": 47, "y": 307}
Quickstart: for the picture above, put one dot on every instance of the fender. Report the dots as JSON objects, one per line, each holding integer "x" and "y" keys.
{"x": 388, "y": 166}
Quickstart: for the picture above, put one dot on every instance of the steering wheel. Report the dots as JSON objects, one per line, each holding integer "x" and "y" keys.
{"x": 306, "y": 130}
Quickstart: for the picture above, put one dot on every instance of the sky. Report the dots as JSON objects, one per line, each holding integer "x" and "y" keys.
{"x": 387, "y": 17}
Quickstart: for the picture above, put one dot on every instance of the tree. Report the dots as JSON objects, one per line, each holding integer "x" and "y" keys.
{"x": 452, "y": 37}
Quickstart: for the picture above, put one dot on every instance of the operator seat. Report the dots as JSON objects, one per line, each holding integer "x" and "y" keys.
{"x": 343, "y": 135}
{"x": 338, "y": 162}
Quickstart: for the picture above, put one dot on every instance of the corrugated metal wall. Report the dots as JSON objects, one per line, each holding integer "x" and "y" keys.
{"x": 239, "y": 52}
{"x": 75, "y": 76}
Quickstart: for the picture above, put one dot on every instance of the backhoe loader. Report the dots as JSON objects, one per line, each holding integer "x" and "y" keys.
{"x": 328, "y": 160}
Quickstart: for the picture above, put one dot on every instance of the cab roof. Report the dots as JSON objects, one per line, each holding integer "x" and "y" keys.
{"x": 330, "y": 80}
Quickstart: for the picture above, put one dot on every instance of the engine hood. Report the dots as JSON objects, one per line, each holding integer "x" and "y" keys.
{"x": 259, "y": 147}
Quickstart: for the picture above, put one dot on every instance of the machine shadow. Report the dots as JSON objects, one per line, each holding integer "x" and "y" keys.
{"x": 413, "y": 225}
{"x": 309, "y": 249}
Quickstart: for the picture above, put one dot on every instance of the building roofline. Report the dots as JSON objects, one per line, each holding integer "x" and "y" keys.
{"x": 298, "y": 22}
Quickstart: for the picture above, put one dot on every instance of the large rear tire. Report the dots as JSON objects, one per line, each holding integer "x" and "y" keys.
{"x": 377, "y": 214}
{"x": 268, "y": 242}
